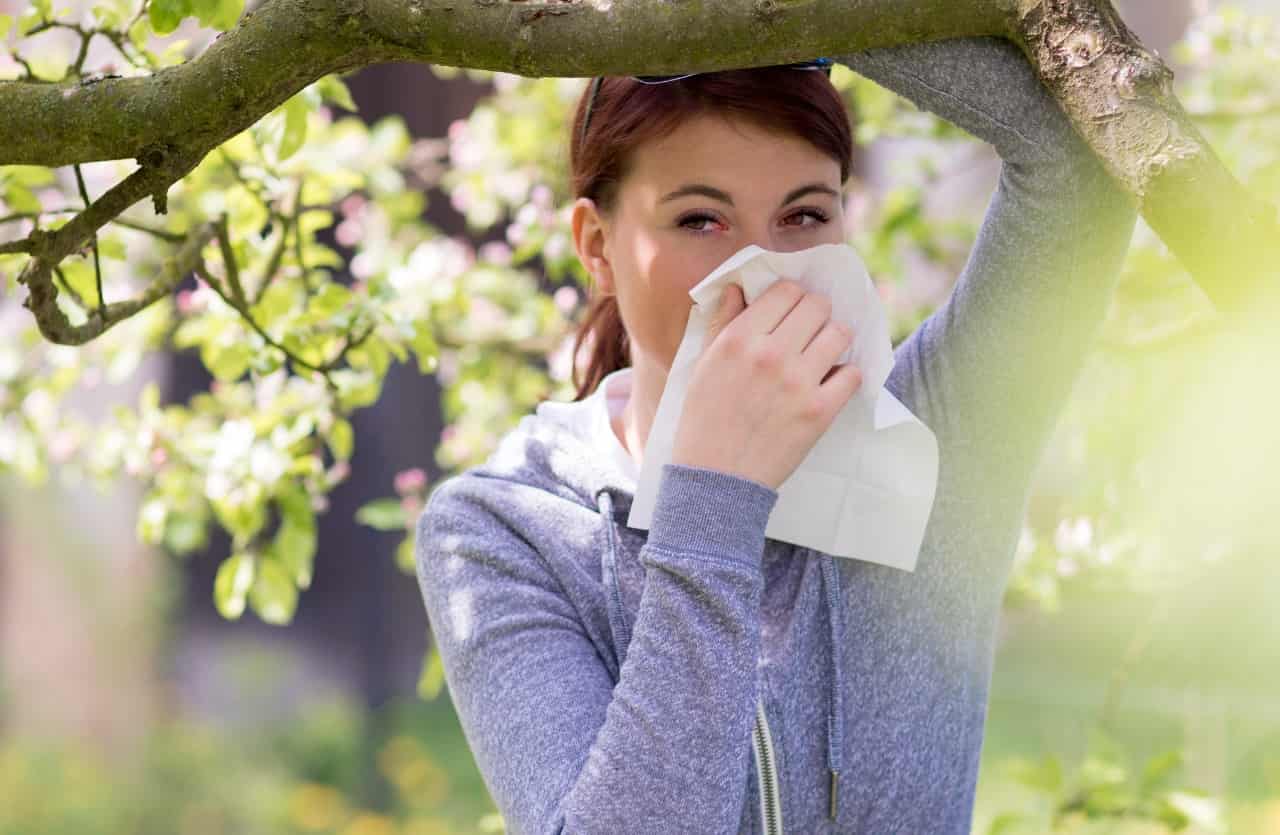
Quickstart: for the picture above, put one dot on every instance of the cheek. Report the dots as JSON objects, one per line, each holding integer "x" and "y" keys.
{"x": 672, "y": 271}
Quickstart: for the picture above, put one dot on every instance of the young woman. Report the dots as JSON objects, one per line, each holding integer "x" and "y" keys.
{"x": 700, "y": 677}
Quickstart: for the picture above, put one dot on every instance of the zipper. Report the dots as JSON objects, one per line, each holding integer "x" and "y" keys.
{"x": 767, "y": 774}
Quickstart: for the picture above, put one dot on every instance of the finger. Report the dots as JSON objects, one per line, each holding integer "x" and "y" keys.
{"x": 731, "y": 304}
{"x": 769, "y": 309}
{"x": 803, "y": 324}
{"x": 820, "y": 355}
{"x": 841, "y": 383}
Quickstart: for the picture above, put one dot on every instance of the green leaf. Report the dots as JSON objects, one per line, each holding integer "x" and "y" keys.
{"x": 406, "y": 556}
{"x": 1006, "y": 824}
{"x": 1160, "y": 768}
{"x": 432, "y": 678}
{"x": 6, "y": 21}
{"x": 295, "y": 542}
{"x": 80, "y": 276}
{"x": 226, "y": 362}
{"x": 243, "y": 517}
{"x": 151, "y": 520}
{"x": 334, "y": 90}
{"x": 341, "y": 439}
{"x": 425, "y": 347}
{"x": 273, "y": 596}
{"x": 184, "y": 534}
{"x": 165, "y": 15}
{"x": 278, "y": 298}
{"x": 295, "y": 127}
{"x": 112, "y": 248}
{"x": 371, "y": 354}
{"x": 331, "y": 298}
{"x": 228, "y": 15}
{"x": 356, "y": 388}
{"x": 218, "y": 14}
{"x": 383, "y": 515}
{"x": 232, "y": 583}
{"x": 20, "y": 199}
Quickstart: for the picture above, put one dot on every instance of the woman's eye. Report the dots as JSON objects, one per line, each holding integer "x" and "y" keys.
{"x": 695, "y": 218}
{"x": 819, "y": 216}
{"x": 691, "y": 221}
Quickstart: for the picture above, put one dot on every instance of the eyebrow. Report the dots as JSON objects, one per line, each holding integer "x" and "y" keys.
{"x": 717, "y": 194}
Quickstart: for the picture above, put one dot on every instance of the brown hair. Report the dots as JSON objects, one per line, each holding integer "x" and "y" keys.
{"x": 627, "y": 113}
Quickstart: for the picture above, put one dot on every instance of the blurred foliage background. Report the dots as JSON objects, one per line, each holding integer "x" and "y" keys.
{"x": 172, "y": 489}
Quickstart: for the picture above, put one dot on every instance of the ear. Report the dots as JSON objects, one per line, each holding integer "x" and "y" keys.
{"x": 590, "y": 239}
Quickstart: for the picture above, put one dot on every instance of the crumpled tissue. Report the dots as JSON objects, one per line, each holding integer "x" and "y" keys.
{"x": 866, "y": 488}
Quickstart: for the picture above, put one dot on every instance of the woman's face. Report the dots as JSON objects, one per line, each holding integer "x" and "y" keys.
{"x": 689, "y": 201}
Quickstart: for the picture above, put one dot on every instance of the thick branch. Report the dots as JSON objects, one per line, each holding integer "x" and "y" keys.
{"x": 1119, "y": 96}
{"x": 1115, "y": 92}
{"x": 286, "y": 44}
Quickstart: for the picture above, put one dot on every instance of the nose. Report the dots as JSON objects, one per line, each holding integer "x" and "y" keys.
{"x": 775, "y": 240}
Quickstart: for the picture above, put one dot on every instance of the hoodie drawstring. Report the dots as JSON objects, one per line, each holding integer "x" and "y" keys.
{"x": 831, "y": 585}
{"x": 609, "y": 572}
{"x": 835, "y": 709}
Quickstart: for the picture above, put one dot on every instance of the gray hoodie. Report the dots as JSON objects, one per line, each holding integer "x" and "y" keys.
{"x": 702, "y": 678}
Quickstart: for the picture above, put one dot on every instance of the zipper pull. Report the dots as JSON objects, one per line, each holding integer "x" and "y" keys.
{"x": 835, "y": 777}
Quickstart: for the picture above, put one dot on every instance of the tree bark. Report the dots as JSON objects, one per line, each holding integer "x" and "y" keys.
{"x": 1115, "y": 92}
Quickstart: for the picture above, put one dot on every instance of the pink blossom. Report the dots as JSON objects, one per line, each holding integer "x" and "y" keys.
{"x": 339, "y": 471}
{"x": 555, "y": 248}
{"x": 348, "y": 233}
{"x": 566, "y": 299}
{"x": 411, "y": 480}
{"x": 353, "y": 204}
{"x": 541, "y": 196}
{"x": 495, "y": 252}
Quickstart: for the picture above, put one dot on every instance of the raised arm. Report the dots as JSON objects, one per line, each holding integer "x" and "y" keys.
{"x": 561, "y": 749}
{"x": 991, "y": 368}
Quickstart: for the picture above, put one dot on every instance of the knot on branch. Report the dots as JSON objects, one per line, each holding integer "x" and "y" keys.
{"x": 1081, "y": 48}
{"x": 1143, "y": 75}
{"x": 768, "y": 10}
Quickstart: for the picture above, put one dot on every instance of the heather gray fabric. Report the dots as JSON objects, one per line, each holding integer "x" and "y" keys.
{"x": 606, "y": 678}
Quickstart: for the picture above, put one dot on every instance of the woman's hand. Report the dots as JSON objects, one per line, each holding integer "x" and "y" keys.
{"x": 765, "y": 387}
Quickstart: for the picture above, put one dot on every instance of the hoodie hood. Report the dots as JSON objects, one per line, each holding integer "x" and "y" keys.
{"x": 570, "y": 449}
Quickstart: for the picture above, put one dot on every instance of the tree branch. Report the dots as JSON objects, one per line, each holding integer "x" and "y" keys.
{"x": 1116, "y": 93}
{"x": 284, "y": 45}
{"x": 1120, "y": 98}
{"x": 54, "y": 324}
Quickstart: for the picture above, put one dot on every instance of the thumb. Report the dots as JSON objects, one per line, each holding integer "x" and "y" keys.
{"x": 732, "y": 302}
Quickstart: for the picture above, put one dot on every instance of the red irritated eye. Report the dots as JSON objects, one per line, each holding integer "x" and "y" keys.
{"x": 693, "y": 222}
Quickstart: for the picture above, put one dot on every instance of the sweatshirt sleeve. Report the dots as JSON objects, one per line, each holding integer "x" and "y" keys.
{"x": 990, "y": 369}
{"x": 560, "y": 747}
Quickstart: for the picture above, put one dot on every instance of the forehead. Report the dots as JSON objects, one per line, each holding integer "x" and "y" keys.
{"x": 732, "y": 154}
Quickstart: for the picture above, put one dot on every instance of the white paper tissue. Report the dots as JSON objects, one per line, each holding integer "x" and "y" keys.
{"x": 866, "y": 488}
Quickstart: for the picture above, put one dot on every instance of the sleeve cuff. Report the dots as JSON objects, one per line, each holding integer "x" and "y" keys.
{"x": 710, "y": 511}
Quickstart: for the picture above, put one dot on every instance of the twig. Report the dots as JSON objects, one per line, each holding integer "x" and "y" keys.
{"x": 71, "y": 291}
{"x": 203, "y": 272}
{"x": 277, "y": 254}
{"x": 24, "y": 245}
{"x": 229, "y": 260}
{"x": 160, "y": 167}
{"x": 97, "y": 265}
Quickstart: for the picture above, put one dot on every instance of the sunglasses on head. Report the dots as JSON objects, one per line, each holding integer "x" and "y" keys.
{"x": 823, "y": 64}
